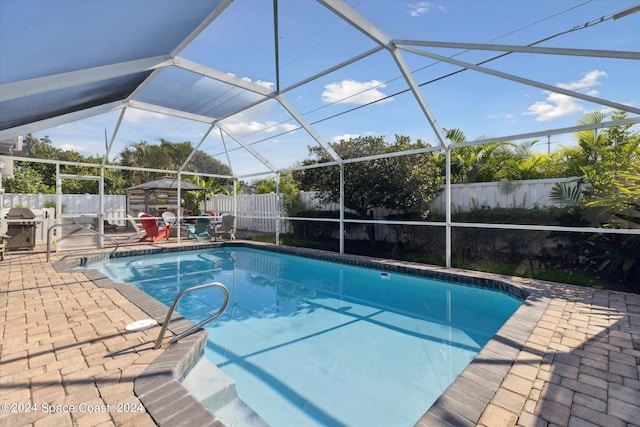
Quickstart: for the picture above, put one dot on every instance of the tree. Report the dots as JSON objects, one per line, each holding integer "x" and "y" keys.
{"x": 601, "y": 154}
{"x": 619, "y": 255}
{"x": 27, "y": 181}
{"x": 288, "y": 188}
{"x": 38, "y": 177}
{"x": 520, "y": 162}
{"x": 475, "y": 163}
{"x": 405, "y": 183}
{"x": 168, "y": 156}
{"x": 608, "y": 163}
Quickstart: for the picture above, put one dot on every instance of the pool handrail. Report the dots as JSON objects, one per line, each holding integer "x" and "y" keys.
{"x": 115, "y": 241}
{"x": 193, "y": 328}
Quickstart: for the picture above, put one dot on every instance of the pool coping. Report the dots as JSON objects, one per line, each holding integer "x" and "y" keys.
{"x": 169, "y": 403}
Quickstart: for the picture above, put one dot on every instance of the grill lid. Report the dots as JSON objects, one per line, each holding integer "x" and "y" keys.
{"x": 20, "y": 213}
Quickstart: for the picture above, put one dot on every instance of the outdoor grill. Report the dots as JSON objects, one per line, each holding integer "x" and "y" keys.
{"x": 22, "y": 234}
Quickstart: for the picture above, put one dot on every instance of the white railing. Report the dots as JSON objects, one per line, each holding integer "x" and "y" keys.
{"x": 256, "y": 212}
{"x": 115, "y": 206}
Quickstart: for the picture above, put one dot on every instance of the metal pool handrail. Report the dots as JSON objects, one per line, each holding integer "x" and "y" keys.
{"x": 193, "y": 328}
{"x": 117, "y": 244}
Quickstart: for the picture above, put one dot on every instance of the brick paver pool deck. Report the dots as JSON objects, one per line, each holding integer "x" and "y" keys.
{"x": 570, "y": 356}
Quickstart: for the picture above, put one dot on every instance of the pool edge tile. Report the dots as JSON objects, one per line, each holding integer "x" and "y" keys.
{"x": 163, "y": 375}
{"x": 169, "y": 371}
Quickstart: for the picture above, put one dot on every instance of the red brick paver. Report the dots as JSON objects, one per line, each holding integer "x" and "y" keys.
{"x": 580, "y": 366}
{"x": 65, "y": 358}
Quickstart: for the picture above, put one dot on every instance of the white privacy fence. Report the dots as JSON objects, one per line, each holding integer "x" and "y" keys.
{"x": 503, "y": 194}
{"x": 76, "y": 208}
{"x": 115, "y": 206}
{"x": 255, "y": 212}
{"x": 464, "y": 197}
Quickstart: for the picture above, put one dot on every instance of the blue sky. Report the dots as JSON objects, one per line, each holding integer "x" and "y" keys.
{"x": 312, "y": 39}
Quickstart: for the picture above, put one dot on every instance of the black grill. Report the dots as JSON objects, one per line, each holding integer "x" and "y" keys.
{"x": 22, "y": 234}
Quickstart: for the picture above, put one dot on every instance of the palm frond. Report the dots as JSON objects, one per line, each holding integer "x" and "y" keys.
{"x": 565, "y": 192}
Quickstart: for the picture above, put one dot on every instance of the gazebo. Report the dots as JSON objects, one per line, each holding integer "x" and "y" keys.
{"x": 159, "y": 196}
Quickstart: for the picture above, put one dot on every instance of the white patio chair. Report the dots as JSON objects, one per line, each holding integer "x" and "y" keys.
{"x": 140, "y": 233}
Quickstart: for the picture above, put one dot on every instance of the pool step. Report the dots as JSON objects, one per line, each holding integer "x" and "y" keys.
{"x": 217, "y": 392}
{"x": 237, "y": 413}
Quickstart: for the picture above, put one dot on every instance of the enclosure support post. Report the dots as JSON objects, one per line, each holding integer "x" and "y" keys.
{"x": 341, "y": 208}
{"x": 235, "y": 205}
{"x": 101, "y": 203}
{"x": 58, "y": 195}
{"x": 278, "y": 208}
{"x": 447, "y": 193}
{"x": 179, "y": 205}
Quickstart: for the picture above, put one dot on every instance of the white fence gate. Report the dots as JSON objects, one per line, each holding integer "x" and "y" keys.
{"x": 254, "y": 212}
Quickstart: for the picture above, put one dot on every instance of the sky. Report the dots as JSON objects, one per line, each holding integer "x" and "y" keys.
{"x": 341, "y": 104}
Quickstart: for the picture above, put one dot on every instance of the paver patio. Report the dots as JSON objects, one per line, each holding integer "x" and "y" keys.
{"x": 572, "y": 358}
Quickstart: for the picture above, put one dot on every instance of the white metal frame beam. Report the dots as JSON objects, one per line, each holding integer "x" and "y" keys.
{"x": 249, "y": 148}
{"x": 594, "y": 53}
{"x": 154, "y": 108}
{"x": 223, "y": 77}
{"x": 53, "y": 82}
{"x": 196, "y": 148}
{"x": 556, "y": 131}
{"x": 203, "y": 26}
{"x": 60, "y": 120}
{"x": 529, "y": 82}
{"x": 309, "y": 129}
{"x": 342, "y": 10}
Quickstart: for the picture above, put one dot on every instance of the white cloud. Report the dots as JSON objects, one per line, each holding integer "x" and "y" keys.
{"x": 249, "y": 121}
{"x": 72, "y": 147}
{"x": 354, "y": 92}
{"x": 588, "y": 81}
{"x": 345, "y": 137}
{"x": 134, "y": 115}
{"x": 422, "y": 7}
{"x": 268, "y": 85}
{"x": 507, "y": 117}
{"x": 557, "y": 105}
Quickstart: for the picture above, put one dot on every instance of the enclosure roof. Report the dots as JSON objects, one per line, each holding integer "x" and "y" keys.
{"x": 165, "y": 183}
{"x": 65, "y": 61}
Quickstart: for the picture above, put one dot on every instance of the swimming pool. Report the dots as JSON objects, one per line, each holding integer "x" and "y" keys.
{"x": 309, "y": 342}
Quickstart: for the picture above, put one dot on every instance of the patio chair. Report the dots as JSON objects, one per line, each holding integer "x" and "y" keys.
{"x": 153, "y": 232}
{"x": 200, "y": 228}
{"x": 169, "y": 217}
{"x": 139, "y": 230}
{"x": 227, "y": 228}
{"x": 109, "y": 227}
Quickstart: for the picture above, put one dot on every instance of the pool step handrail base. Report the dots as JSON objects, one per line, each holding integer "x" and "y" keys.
{"x": 194, "y": 328}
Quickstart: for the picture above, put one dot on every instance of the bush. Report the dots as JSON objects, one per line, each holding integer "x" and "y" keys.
{"x": 320, "y": 230}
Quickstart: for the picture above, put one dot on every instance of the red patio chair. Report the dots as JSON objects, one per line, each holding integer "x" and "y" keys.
{"x": 153, "y": 232}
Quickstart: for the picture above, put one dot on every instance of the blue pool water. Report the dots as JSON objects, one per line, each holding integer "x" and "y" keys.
{"x": 314, "y": 343}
